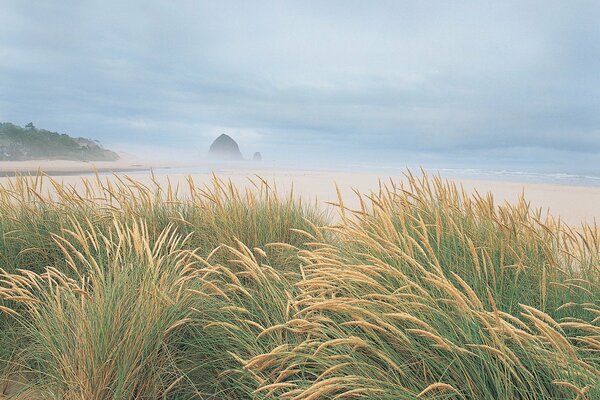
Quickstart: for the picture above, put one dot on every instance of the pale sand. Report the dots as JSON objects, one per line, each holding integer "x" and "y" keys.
{"x": 574, "y": 204}
{"x": 69, "y": 167}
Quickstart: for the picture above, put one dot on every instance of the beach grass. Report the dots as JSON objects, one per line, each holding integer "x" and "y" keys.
{"x": 122, "y": 290}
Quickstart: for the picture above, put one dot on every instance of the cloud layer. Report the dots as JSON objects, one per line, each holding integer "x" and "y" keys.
{"x": 363, "y": 78}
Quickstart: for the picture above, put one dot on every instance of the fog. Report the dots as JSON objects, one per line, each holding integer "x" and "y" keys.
{"x": 507, "y": 85}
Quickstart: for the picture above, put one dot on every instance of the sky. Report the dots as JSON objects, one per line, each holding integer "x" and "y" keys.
{"x": 503, "y": 83}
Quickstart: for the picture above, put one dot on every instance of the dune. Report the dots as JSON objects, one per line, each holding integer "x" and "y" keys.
{"x": 249, "y": 283}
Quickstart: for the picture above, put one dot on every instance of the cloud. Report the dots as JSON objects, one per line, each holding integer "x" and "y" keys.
{"x": 300, "y": 77}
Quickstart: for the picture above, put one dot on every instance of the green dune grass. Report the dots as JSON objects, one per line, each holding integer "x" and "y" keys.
{"x": 124, "y": 291}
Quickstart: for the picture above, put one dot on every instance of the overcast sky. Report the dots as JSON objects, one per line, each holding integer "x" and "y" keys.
{"x": 320, "y": 78}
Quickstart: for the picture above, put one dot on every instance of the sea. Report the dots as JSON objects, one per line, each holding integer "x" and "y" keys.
{"x": 507, "y": 175}
{"x": 527, "y": 174}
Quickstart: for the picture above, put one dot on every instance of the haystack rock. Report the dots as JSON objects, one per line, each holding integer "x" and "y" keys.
{"x": 257, "y": 156}
{"x": 225, "y": 148}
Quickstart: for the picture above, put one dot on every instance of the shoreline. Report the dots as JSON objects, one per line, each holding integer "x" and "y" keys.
{"x": 572, "y": 204}
{"x": 59, "y": 173}
{"x": 70, "y": 167}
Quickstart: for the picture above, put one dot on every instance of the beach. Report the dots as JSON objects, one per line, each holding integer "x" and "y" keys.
{"x": 573, "y": 204}
{"x": 72, "y": 167}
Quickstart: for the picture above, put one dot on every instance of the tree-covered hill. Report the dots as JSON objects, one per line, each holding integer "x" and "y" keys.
{"x": 29, "y": 143}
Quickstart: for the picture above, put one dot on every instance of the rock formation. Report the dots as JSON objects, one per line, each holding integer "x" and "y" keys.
{"x": 225, "y": 148}
{"x": 257, "y": 156}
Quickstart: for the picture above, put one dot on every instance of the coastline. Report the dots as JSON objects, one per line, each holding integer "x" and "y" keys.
{"x": 573, "y": 204}
{"x": 71, "y": 167}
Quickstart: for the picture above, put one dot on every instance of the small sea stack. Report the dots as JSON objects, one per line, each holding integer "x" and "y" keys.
{"x": 257, "y": 156}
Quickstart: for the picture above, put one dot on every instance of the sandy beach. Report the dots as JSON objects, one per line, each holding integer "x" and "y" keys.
{"x": 574, "y": 204}
{"x": 70, "y": 167}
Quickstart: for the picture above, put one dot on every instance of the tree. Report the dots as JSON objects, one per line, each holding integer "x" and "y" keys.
{"x": 30, "y": 126}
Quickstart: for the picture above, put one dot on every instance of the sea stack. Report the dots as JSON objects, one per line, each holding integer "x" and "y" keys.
{"x": 257, "y": 156}
{"x": 225, "y": 148}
